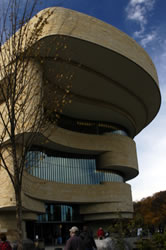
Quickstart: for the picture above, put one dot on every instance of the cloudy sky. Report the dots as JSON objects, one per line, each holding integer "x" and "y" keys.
{"x": 145, "y": 21}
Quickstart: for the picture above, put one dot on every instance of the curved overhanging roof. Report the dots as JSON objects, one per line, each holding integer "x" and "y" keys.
{"x": 114, "y": 78}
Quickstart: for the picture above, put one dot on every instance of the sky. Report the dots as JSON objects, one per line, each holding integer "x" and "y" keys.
{"x": 144, "y": 21}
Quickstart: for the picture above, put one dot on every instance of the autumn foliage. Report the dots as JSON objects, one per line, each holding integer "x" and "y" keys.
{"x": 150, "y": 212}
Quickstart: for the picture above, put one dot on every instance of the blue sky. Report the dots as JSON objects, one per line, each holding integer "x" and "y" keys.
{"x": 145, "y": 21}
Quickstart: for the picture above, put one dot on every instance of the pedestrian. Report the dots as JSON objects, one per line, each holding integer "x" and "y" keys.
{"x": 74, "y": 242}
{"x": 88, "y": 240}
{"x": 108, "y": 242}
{"x": 100, "y": 233}
{"x": 4, "y": 244}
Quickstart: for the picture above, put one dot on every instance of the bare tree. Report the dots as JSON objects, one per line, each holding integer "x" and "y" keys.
{"x": 25, "y": 111}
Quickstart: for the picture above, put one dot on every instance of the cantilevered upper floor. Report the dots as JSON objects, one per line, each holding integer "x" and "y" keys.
{"x": 114, "y": 80}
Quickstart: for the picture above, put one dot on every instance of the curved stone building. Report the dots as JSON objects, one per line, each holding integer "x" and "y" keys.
{"x": 91, "y": 153}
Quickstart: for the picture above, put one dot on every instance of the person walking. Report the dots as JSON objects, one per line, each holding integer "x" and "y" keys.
{"x": 87, "y": 238}
{"x": 100, "y": 233}
{"x": 74, "y": 242}
{"x": 4, "y": 244}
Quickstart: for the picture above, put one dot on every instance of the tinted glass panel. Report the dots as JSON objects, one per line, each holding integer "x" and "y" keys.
{"x": 86, "y": 126}
{"x": 60, "y": 213}
{"x": 66, "y": 169}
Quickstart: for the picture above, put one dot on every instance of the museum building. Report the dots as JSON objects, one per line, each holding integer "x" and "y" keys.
{"x": 80, "y": 175}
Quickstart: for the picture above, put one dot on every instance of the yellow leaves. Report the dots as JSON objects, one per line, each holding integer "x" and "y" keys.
{"x": 152, "y": 209}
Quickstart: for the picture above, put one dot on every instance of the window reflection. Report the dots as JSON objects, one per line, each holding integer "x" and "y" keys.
{"x": 67, "y": 168}
{"x": 60, "y": 213}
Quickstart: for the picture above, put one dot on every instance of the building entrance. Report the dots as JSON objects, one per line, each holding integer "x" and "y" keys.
{"x": 53, "y": 226}
{"x": 51, "y": 234}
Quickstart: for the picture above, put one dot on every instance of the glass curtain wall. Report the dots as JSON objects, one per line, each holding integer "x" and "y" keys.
{"x": 60, "y": 213}
{"x": 67, "y": 168}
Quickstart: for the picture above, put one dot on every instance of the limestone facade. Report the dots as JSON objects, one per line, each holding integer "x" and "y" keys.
{"x": 115, "y": 86}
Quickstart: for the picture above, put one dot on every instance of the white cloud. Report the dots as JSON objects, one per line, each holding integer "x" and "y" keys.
{"x": 139, "y": 34}
{"x": 148, "y": 38}
{"x": 138, "y": 11}
{"x": 148, "y": 3}
{"x": 151, "y": 142}
{"x": 151, "y": 145}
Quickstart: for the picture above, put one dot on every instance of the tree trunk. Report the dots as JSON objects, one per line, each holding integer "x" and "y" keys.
{"x": 19, "y": 217}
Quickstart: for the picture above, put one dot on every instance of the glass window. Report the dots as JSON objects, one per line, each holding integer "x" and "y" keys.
{"x": 87, "y": 126}
{"x": 60, "y": 213}
{"x": 67, "y": 168}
